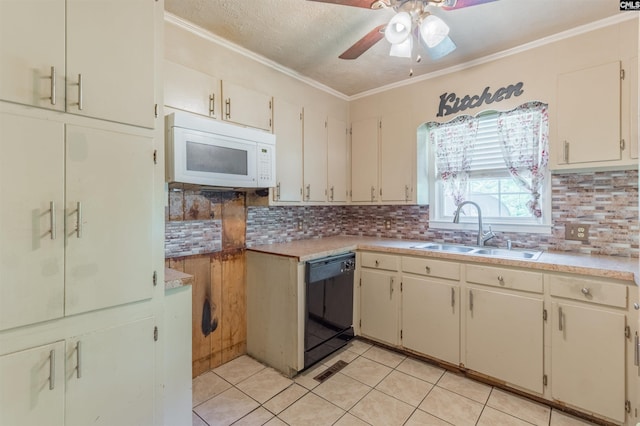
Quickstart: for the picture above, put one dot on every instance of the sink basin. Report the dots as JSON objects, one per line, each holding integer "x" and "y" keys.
{"x": 511, "y": 254}
{"x": 481, "y": 251}
{"x": 444, "y": 247}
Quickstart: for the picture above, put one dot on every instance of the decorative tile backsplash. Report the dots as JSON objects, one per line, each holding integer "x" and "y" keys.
{"x": 607, "y": 201}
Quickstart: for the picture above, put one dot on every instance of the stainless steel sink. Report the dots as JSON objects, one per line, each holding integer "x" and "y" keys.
{"x": 511, "y": 254}
{"x": 481, "y": 251}
{"x": 444, "y": 247}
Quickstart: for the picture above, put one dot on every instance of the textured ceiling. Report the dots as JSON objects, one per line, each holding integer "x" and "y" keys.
{"x": 307, "y": 36}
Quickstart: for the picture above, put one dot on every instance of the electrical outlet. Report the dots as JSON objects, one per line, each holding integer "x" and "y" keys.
{"x": 387, "y": 224}
{"x": 300, "y": 224}
{"x": 576, "y": 231}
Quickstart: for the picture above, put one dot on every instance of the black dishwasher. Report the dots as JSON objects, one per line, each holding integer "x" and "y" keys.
{"x": 329, "y": 305}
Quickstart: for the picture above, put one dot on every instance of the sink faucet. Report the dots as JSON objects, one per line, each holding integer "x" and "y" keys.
{"x": 482, "y": 237}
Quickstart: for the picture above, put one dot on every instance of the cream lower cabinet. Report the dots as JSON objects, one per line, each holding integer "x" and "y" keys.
{"x": 504, "y": 323}
{"x": 111, "y": 376}
{"x": 431, "y": 308}
{"x": 588, "y": 345}
{"x": 33, "y": 380}
{"x": 105, "y": 377}
{"x": 380, "y": 297}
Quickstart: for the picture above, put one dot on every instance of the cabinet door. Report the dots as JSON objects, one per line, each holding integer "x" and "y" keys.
{"x": 32, "y": 386}
{"x": 504, "y": 337}
{"x": 108, "y": 258}
{"x": 337, "y": 160}
{"x": 110, "y": 376}
{"x": 431, "y": 318}
{"x": 32, "y": 50}
{"x": 589, "y": 115}
{"x": 315, "y": 155}
{"x": 588, "y": 359}
{"x": 379, "y": 295}
{"x": 364, "y": 160}
{"x": 245, "y": 106}
{"x": 31, "y": 220}
{"x": 397, "y": 162}
{"x": 288, "y": 130}
{"x": 191, "y": 90}
{"x": 110, "y": 60}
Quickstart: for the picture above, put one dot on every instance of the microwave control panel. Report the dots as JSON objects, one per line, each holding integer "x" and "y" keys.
{"x": 266, "y": 166}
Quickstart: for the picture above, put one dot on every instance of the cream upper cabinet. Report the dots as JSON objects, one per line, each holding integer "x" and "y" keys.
{"x": 32, "y": 213}
{"x": 397, "y": 167}
{"x": 34, "y": 381}
{"x": 190, "y": 90}
{"x": 315, "y": 155}
{"x": 246, "y": 107}
{"x": 111, "y": 376}
{"x": 32, "y": 52}
{"x": 108, "y": 257}
{"x": 364, "y": 160}
{"x": 431, "y": 317}
{"x": 288, "y": 130}
{"x": 504, "y": 337}
{"x": 588, "y": 119}
{"x": 108, "y": 49}
{"x": 337, "y": 160}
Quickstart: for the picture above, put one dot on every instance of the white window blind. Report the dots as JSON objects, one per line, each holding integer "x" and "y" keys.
{"x": 486, "y": 154}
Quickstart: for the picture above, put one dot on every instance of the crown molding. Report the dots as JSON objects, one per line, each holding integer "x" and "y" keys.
{"x": 207, "y": 35}
{"x": 201, "y": 32}
{"x": 592, "y": 26}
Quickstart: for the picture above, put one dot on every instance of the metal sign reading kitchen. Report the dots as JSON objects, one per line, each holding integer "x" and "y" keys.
{"x": 450, "y": 103}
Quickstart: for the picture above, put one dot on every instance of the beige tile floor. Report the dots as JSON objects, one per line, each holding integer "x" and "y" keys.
{"x": 377, "y": 387}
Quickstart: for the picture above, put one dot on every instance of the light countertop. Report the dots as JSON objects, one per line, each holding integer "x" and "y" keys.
{"x": 175, "y": 279}
{"x": 615, "y": 267}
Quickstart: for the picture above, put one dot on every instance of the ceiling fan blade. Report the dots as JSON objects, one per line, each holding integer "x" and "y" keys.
{"x": 466, "y": 3}
{"x": 366, "y": 4}
{"x": 364, "y": 44}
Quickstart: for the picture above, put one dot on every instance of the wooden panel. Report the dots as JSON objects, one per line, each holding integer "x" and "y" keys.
{"x": 234, "y": 222}
{"x": 234, "y": 318}
{"x": 216, "y": 311}
{"x": 201, "y": 340}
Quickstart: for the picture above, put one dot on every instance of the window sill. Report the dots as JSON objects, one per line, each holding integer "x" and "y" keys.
{"x": 496, "y": 227}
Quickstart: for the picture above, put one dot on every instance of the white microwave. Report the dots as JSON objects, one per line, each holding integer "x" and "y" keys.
{"x": 203, "y": 151}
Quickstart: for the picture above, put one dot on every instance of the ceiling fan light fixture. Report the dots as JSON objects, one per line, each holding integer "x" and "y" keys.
{"x": 402, "y": 50}
{"x": 442, "y": 49}
{"x": 433, "y": 31}
{"x": 398, "y": 28}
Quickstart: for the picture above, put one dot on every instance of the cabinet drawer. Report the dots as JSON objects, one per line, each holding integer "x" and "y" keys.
{"x": 587, "y": 290}
{"x": 380, "y": 261}
{"x": 431, "y": 267}
{"x": 505, "y": 278}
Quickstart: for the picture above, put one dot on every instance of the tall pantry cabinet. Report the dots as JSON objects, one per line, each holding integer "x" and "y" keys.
{"x": 78, "y": 173}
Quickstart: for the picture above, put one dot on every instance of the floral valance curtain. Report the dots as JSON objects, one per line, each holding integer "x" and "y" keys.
{"x": 453, "y": 142}
{"x": 523, "y": 134}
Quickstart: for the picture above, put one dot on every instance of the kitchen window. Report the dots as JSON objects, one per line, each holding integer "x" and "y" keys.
{"x": 495, "y": 159}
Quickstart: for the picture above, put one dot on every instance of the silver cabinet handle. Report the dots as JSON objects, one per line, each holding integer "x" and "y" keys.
{"x": 377, "y": 263}
{"x": 560, "y": 322}
{"x": 278, "y": 191}
{"x": 500, "y": 279}
{"x": 227, "y": 112}
{"x": 427, "y": 269}
{"x": 78, "y": 360}
{"x": 373, "y": 193}
{"x": 471, "y": 300}
{"x": 212, "y": 104}
{"x": 308, "y": 189}
{"x": 565, "y": 152}
{"x": 453, "y": 297}
{"x": 80, "y": 92}
{"x": 406, "y": 192}
{"x": 391, "y": 288}
{"x": 53, "y": 85}
{"x": 52, "y": 369}
{"x": 637, "y": 351}
{"x": 331, "y": 193}
{"x": 52, "y": 219}
{"x": 79, "y": 220}
{"x": 586, "y": 291}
